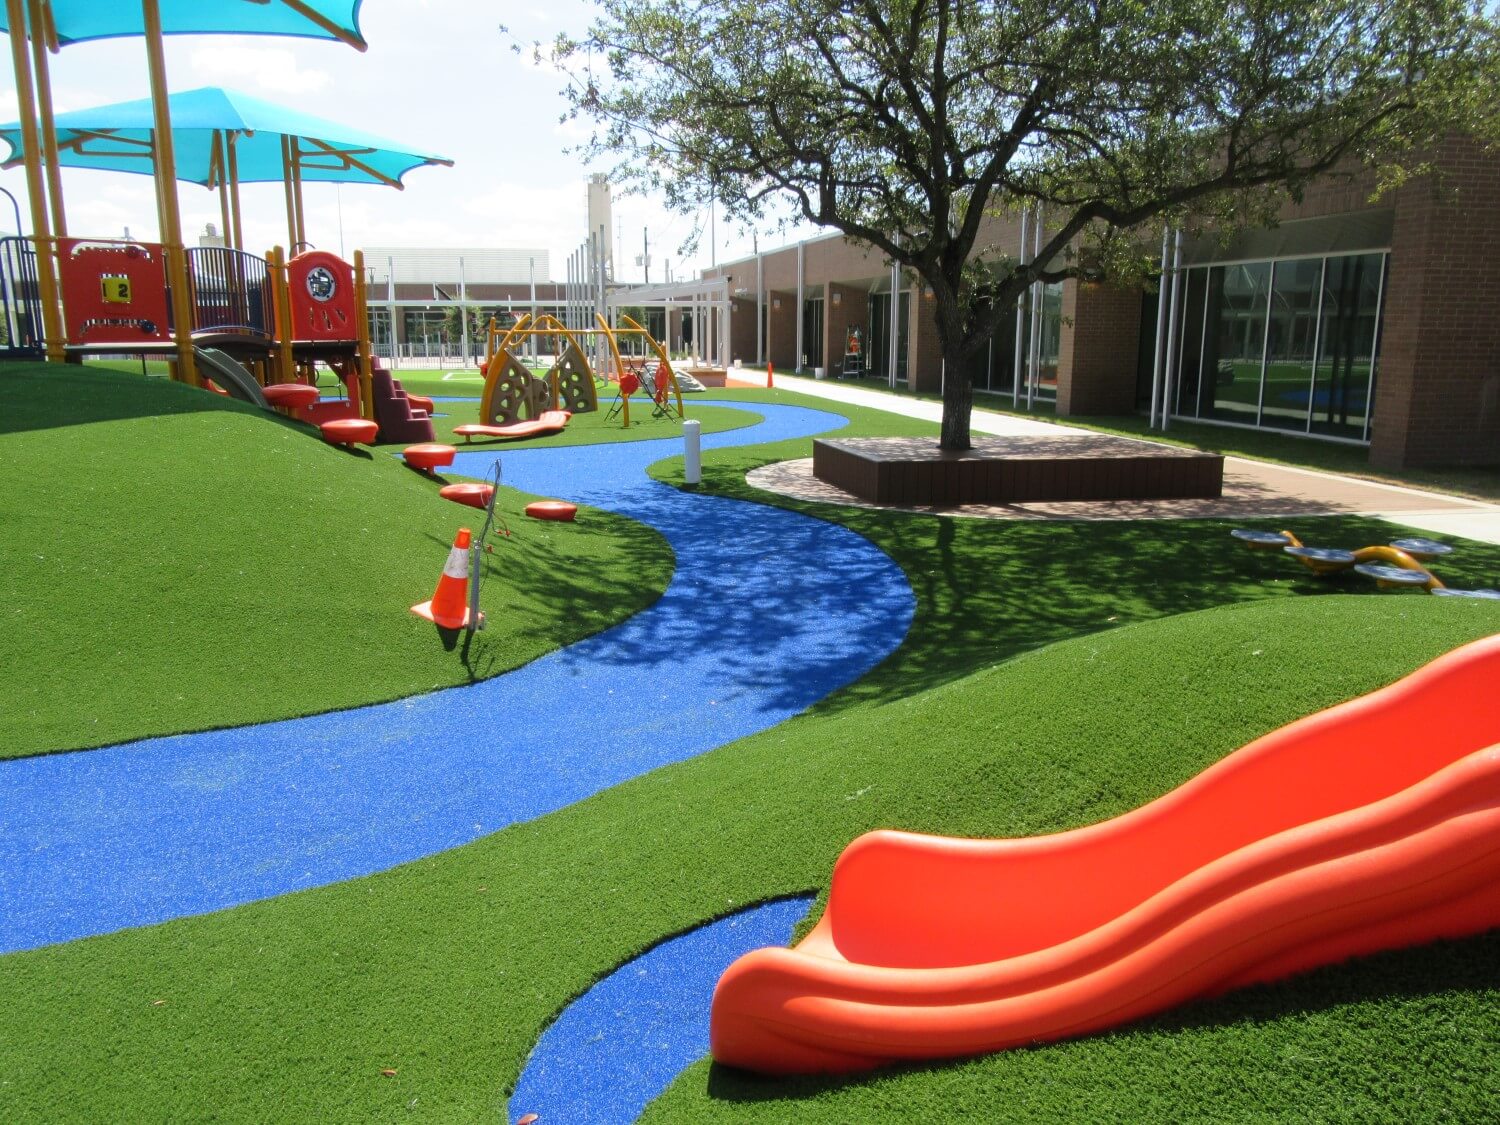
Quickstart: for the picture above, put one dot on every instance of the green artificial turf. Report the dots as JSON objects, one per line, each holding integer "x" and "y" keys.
{"x": 1018, "y": 704}
{"x": 172, "y": 560}
{"x": 447, "y": 969}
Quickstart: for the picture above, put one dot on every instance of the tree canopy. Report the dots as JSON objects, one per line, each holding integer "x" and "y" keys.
{"x": 903, "y": 123}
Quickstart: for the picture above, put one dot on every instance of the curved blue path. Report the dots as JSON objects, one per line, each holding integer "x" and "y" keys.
{"x": 768, "y": 612}
{"x": 621, "y": 1043}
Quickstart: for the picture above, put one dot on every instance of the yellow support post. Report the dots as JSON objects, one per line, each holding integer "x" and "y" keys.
{"x": 41, "y": 230}
{"x": 166, "y": 194}
{"x": 41, "y": 40}
{"x": 614, "y": 347}
{"x": 362, "y": 315}
{"x": 237, "y": 240}
{"x": 281, "y": 302}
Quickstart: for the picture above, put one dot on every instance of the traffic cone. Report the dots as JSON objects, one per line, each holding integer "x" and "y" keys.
{"x": 770, "y": 375}
{"x": 449, "y": 607}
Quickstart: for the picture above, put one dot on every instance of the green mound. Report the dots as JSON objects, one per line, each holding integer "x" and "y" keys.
{"x": 172, "y": 560}
{"x": 446, "y": 970}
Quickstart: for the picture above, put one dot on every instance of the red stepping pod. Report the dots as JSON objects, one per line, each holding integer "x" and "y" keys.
{"x": 428, "y": 455}
{"x": 474, "y": 495}
{"x": 290, "y": 396}
{"x": 348, "y": 431}
{"x": 559, "y": 510}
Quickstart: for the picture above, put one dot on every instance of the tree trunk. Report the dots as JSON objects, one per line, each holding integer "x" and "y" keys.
{"x": 958, "y": 405}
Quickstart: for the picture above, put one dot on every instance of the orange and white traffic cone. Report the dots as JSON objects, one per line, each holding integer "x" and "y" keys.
{"x": 449, "y": 607}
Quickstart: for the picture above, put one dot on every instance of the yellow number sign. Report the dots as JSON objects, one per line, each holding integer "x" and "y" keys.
{"x": 116, "y": 290}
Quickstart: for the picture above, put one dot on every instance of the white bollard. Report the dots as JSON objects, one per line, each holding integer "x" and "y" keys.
{"x": 692, "y": 471}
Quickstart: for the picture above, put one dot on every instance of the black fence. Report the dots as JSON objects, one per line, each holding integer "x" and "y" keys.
{"x": 231, "y": 291}
{"x": 22, "y": 298}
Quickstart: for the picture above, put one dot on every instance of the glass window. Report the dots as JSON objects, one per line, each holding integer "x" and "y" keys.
{"x": 1290, "y": 343}
{"x": 990, "y": 369}
{"x": 1189, "y": 341}
{"x": 880, "y": 335}
{"x": 1237, "y": 297}
{"x": 1347, "y": 346}
{"x": 812, "y": 332}
{"x": 1051, "y": 341}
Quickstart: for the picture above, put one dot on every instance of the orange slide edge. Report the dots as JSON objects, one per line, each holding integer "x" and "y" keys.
{"x": 1368, "y": 826}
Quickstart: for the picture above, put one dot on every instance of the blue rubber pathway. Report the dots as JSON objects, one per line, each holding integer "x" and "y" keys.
{"x": 621, "y": 1043}
{"x": 768, "y": 612}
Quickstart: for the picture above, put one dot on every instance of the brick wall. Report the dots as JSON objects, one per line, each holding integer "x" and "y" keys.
{"x": 1437, "y": 398}
{"x": 742, "y": 329}
{"x": 845, "y": 307}
{"x": 781, "y": 329}
{"x": 924, "y": 356}
{"x": 1100, "y": 335}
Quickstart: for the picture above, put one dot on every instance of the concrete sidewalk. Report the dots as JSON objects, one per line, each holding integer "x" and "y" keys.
{"x": 1251, "y": 487}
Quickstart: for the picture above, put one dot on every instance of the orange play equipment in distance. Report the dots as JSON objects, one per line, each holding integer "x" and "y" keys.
{"x": 449, "y": 607}
{"x": 1369, "y": 826}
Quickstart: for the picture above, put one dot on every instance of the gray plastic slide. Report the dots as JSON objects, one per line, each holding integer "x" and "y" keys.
{"x": 226, "y": 371}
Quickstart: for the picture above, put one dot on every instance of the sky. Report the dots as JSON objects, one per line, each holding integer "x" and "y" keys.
{"x": 439, "y": 75}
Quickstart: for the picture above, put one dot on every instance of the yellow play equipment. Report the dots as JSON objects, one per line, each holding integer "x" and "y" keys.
{"x": 1399, "y": 564}
{"x": 513, "y": 392}
{"x": 661, "y": 386}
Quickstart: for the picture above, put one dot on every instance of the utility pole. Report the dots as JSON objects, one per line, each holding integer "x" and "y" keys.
{"x": 713, "y": 250}
{"x": 646, "y": 253}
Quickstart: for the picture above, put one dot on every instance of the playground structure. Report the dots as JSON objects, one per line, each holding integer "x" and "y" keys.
{"x": 514, "y": 395}
{"x": 1366, "y": 827}
{"x": 1399, "y": 565}
{"x": 66, "y": 298}
{"x": 254, "y": 323}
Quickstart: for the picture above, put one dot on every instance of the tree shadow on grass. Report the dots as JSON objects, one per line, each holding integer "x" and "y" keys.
{"x": 988, "y": 590}
{"x": 1426, "y": 972}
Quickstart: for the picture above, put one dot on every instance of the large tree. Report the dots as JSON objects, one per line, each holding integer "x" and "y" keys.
{"x": 902, "y": 123}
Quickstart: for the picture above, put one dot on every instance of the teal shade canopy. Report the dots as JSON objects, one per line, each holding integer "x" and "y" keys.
{"x": 78, "y": 20}
{"x": 117, "y": 138}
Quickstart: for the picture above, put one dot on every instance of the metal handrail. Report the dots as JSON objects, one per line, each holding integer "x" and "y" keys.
{"x": 231, "y": 291}
{"x": 21, "y": 297}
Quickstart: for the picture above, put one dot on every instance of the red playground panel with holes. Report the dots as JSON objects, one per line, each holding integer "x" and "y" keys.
{"x": 322, "y": 297}
{"x": 114, "y": 292}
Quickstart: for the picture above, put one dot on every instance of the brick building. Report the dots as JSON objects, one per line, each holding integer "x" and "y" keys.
{"x": 1354, "y": 321}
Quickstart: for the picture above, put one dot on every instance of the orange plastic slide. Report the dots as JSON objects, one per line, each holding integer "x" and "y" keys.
{"x": 547, "y": 422}
{"x": 1369, "y": 826}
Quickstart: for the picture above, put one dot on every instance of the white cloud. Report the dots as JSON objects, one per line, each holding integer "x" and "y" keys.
{"x": 271, "y": 68}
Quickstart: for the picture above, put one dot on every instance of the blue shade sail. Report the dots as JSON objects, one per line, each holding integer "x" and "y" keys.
{"x": 79, "y": 20}
{"x": 117, "y": 138}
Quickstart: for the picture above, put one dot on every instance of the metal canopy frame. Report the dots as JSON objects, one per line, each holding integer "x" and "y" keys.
{"x": 706, "y": 301}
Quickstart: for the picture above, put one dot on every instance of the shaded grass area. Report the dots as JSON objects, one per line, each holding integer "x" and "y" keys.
{"x": 446, "y": 970}
{"x": 173, "y": 560}
{"x": 989, "y": 589}
{"x": 1260, "y": 445}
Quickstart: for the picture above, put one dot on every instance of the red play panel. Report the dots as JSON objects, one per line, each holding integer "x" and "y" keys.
{"x": 113, "y": 292}
{"x": 322, "y": 297}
